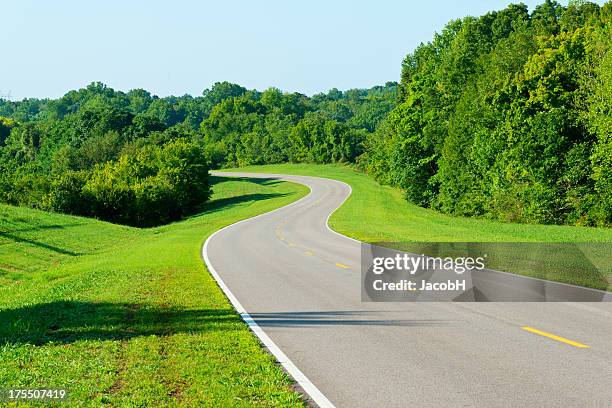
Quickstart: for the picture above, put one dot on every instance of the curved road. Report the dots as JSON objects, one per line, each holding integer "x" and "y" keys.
{"x": 300, "y": 283}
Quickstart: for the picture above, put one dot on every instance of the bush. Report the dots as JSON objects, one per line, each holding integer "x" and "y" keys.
{"x": 153, "y": 186}
{"x": 66, "y": 194}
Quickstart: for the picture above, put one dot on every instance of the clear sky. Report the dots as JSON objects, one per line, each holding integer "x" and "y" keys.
{"x": 179, "y": 46}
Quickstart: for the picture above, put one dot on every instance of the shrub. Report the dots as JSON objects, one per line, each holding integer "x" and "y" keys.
{"x": 153, "y": 186}
{"x": 66, "y": 194}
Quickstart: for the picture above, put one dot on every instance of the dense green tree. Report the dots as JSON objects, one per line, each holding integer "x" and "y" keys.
{"x": 6, "y": 125}
{"x": 152, "y": 186}
{"x": 506, "y": 116}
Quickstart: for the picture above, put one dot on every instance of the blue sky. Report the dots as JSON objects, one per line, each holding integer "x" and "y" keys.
{"x": 177, "y": 47}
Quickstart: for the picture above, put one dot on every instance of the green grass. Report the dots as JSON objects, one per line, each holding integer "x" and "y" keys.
{"x": 122, "y": 316}
{"x": 380, "y": 214}
{"x": 376, "y": 213}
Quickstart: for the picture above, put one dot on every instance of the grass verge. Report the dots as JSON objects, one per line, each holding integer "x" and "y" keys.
{"x": 123, "y": 316}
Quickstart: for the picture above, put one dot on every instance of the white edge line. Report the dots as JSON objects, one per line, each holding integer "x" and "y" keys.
{"x": 360, "y": 242}
{"x": 304, "y": 382}
{"x": 488, "y": 270}
{"x": 337, "y": 208}
{"x": 313, "y": 392}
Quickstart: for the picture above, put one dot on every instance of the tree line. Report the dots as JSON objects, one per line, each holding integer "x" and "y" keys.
{"x": 504, "y": 116}
{"x": 507, "y": 116}
{"x": 138, "y": 159}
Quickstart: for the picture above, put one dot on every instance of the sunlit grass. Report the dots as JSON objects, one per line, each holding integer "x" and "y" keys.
{"x": 125, "y": 316}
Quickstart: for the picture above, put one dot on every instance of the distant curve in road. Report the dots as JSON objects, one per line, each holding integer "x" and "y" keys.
{"x": 299, "y": 282}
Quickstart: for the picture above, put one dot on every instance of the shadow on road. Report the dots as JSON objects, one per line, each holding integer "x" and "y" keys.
{"x": 335, "y": 318}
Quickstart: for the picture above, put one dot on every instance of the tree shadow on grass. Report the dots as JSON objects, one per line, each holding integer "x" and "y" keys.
{"x": 263, "y": 181}
{"x": 71, "y": 321}
{"x": 14, "y": 234}
{"x": 53, "y": 248}
{"x": 228, "y": 202}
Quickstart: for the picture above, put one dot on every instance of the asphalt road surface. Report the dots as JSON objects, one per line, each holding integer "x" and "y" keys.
{"x": 300, "y": 282}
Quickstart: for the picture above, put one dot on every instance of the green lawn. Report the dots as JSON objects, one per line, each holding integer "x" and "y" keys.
{"x": 122, "y": 316}
{"x": 380, "y": 214}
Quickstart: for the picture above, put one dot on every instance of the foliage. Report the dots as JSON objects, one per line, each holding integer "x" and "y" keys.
{"x": 153, "y": 185}
{"x": 506, "y": 116}
{"x": 138, "y": 159}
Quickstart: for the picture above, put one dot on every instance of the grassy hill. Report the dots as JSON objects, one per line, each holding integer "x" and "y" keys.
{"x": 120, "y": 315}
{"x": 377, "y": 213}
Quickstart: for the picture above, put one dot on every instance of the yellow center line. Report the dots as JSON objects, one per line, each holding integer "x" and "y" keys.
{"x": 552, "y": 336}
{"x": 342, "y": 265}
{"x": 308, "y": 253}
